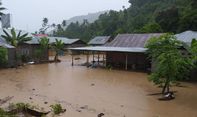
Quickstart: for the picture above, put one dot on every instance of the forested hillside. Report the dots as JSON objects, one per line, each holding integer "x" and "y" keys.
{"x": 142, "y": 16}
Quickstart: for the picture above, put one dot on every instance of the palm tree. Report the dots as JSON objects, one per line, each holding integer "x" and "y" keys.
{"x": 44, "y": 42}
{"x": 44, "y": 46}
{"x": 1, "y": 9}
{"x": 58, "y": 46}
{"x": 15, "y": 39}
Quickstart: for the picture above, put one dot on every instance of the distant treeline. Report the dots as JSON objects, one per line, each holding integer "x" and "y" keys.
{"x": 143, "y": 16}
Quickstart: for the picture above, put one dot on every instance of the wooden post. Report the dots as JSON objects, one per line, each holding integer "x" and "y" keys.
{"x": 72, "y": 60}
{"x": 126, "y": 62}
{"x": 103, "y": 59}
{"x": 98, "y": 58}
{"x": 87, "y": 58}
{"x": 93, "y": 57}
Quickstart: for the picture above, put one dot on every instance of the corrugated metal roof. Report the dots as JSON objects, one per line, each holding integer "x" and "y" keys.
{"x": 132, "y": 40}
{"x": 35, "y": 40}
{"x": 99, "y": 40}
{"x": 4, "y": 44}
{"x": 112, "y": 49}
{"x": 64, "y": 40}
{"x": 187, "y": 36}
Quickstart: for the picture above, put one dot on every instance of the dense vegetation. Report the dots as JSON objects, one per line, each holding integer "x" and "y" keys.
{"x": 142, "y": 16}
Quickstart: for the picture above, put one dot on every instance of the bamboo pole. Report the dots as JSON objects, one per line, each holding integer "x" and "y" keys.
{"x": 126, "y": 67}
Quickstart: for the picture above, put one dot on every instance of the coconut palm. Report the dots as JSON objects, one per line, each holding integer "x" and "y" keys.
{"x": 58, "y": 46}
{"x": 15, "y": 39}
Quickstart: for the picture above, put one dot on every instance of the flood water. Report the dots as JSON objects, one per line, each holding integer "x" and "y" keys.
{"x": 86, "y": 92}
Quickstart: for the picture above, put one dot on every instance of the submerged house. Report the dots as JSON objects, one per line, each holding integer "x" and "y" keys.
{"x": 27, "y": 49}
{"x": 99, "y": 41}
{"x": 126, "y": 51}
{"x": 10, "y": 53}
{"x": 136, "y": 60}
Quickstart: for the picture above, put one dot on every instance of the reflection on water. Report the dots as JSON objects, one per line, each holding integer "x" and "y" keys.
{"x": 86, "y": 92}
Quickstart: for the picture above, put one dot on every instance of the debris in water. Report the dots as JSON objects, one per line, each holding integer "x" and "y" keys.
{"x": 31, "y": 62}
{"x": 100, "y": 115}
{"x": 84, "y": 107}
{"x": 78, "y": 110}
{"x": 45, "y": 102}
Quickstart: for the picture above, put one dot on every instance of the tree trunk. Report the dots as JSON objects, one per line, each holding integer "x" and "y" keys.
{"x": 166, "y": 86}
{"x": 56, "y": 57}
{"x": 16, "y": 59}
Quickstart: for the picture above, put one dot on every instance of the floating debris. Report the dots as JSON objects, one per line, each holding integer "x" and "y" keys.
{"x": 100, "y": 115}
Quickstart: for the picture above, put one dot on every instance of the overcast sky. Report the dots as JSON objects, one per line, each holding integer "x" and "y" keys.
{"x": 28, "y": 14}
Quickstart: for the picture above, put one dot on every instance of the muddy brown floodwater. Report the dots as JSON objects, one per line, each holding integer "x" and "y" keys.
{"x": 87, "y": 92}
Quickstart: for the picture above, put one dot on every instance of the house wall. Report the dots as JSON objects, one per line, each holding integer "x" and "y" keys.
{"x": 11, "y": 57}
{"x": 136, "y": 61}
{"x": 30, "y": 49}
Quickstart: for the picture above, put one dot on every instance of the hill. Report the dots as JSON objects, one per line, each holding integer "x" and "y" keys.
{"x": 143, "y": 16}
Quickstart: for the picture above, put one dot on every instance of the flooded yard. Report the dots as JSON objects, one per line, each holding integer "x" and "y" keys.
{"x": 86, "y": 92}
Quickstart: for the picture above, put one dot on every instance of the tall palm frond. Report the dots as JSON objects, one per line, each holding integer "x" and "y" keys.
{"x": 15, "y": 39}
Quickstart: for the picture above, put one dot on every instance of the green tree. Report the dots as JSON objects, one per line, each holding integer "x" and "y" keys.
{"x": 64, "y": 23}
{"x": 15, "y": 40}
{"x": 168, "y": 19}
{"x": 194, "y": 51}
{"x": 3, "y": 57}
{"x": 44, "y": 42}
{"x": 40, "y": 52}
{"x": 151, "y": 28}
{"x": 58, "y": 47}
{"x": 142, "y": 16}
{"x": 170, "y": 65}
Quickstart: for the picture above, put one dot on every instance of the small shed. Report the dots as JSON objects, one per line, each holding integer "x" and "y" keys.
{"x": 126, "y": 51}
{"x": 135, "y": 60}
{"x": 28, "y": 48}
{"x": 10, "y": 53}
{"x": 99, "y": 41}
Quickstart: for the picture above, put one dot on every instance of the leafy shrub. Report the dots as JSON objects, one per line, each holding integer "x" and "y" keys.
{"x": 57, "y": 108}
{"x": 3, "y": 57}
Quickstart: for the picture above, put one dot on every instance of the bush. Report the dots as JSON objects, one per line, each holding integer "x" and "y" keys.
{"x": 3, "y": 57}
{"x": 57, "y": 108}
